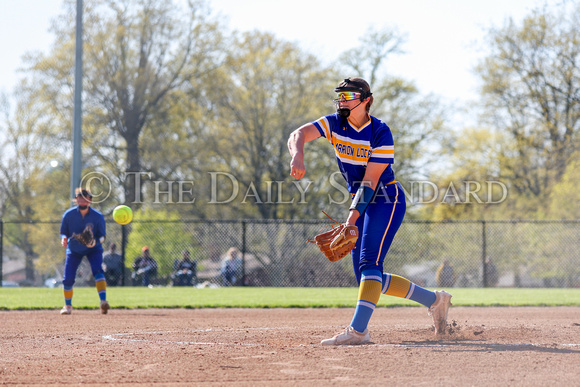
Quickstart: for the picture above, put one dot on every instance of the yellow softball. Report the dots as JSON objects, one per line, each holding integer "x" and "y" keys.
{"x": 123, "y": 214}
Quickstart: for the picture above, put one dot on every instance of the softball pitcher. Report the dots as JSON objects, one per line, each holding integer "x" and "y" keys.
{"x": 364, "y": 151}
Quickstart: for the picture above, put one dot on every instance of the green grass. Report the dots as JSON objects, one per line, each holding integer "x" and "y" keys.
{"x": 138, "y": 297}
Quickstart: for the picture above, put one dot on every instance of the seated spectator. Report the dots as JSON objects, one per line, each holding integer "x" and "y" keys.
{"x": 231, "y": 270}
{"x": 144, "y": 268}
{"x": 185, "y": 271}
{"x": 113, "y": 266}
{"x": 445, "y": 275}
{"x": 491, "y": 273}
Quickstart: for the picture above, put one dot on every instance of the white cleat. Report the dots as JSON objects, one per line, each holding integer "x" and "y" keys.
{"x": 67, "y": 309}
{"x": 105, "y": 307}
{"x": 348, "y": 337}
{"x": 439, "y": 311}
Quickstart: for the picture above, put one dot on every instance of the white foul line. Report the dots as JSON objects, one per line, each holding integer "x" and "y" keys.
{"x": 120, "y": 337}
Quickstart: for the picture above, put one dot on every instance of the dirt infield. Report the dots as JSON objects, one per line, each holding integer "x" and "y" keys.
{"x": 265, "y": 347}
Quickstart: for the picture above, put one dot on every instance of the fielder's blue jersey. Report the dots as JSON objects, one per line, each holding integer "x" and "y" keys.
{"x": 355, "y": 147}
{"x": 74, "y": 223}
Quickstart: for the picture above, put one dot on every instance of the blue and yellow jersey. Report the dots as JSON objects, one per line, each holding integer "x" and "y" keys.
{"x": 355, "y": 147}
{"x": 74, "y": 223}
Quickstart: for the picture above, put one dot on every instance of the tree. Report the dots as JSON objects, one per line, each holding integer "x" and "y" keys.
{"x": 472, "y": 186}
{"x": 146, "y": 56}
{"x": 140, "y": 57}
{"x": 531, "y": 85}
{"x": 564, "y": 197}
{"x": 25, "y": 191}
{"x": 376, "y": 46}
{"x": 266, "y": 89}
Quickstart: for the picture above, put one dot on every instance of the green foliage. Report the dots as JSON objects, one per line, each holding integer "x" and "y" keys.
{"x": 530, "y": 85}
{"x": 166, "y": 240}
{"x": 168, "y": 92}
{"x": 30, "y": 183}
{"x": 529, "y": 126}
{"x": 565, "y": 196}
{"x": 266, "y": 89}
{"x": 464, "y": 193}
{"x": 143, "y": 59}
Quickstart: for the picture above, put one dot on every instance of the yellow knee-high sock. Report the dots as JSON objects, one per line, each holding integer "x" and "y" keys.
{"x": 369, "y": 293}
{"x": 101, "y": 285}
{"x": 397, "y": 286}
{"x": 68, "y": 294}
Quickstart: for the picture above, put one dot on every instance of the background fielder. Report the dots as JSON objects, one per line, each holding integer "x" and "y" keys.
{"x": 74, "y": 221}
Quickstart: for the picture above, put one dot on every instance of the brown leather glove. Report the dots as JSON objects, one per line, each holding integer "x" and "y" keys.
{"x": 335, "y": 244}
{"x": 86, "y": 237}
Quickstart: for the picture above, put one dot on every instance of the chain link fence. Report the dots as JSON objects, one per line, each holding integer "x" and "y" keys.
{"x": 276, "y": 253}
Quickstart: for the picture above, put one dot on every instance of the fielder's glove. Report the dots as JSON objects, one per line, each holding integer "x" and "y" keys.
{"x": 86, "y": 237}
{"x": 335, "y": 244}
